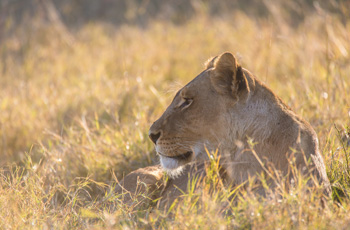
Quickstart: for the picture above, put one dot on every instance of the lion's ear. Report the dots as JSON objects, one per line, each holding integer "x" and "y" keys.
{"x": 210, "y": 62}
{"x": 228, "y": 76}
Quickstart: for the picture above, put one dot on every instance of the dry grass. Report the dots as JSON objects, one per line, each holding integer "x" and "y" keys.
{"x": 74, "y": 114}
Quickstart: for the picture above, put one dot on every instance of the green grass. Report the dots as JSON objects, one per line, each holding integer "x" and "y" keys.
{"x": 75, "y": 116}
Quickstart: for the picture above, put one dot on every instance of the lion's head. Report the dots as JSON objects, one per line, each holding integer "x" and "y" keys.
{"x": 200, "y": 113}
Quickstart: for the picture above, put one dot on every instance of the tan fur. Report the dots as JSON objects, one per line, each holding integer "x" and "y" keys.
{"x": 142, "y": 186}
{"x": 223, "y": 108}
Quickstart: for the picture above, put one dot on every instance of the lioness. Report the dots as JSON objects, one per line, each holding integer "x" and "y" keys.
{"x": 225, "y": 107}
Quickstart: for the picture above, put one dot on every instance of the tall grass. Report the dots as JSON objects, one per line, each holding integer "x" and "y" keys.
{"x": 75, "y": 116}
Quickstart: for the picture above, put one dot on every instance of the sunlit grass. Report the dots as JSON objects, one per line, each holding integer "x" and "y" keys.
{"x": 75, "y": 114}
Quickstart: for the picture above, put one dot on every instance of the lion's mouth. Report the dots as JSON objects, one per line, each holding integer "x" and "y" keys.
{"x": 179, "y": 157}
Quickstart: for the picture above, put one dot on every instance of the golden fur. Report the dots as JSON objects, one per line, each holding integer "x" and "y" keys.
{"x": 144, "y": 185}
{"x": 227, "y": 108}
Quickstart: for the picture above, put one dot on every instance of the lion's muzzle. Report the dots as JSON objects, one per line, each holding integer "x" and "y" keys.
{"x": 184, "y": 156}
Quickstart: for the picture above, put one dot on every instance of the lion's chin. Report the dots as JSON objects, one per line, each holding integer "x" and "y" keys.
{"x": 174, "y": 166}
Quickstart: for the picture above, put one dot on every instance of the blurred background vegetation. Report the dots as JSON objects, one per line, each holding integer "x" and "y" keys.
{"x": 82, "y": 81}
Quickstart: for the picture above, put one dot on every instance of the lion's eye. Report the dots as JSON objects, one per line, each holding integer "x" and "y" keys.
{"x": 187, "y": 102}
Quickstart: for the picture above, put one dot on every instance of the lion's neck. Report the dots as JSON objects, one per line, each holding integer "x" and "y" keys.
{"x": 264, "y": 118}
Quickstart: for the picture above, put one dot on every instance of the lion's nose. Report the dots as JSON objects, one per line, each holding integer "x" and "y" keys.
{"x": 154, "y": 137}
